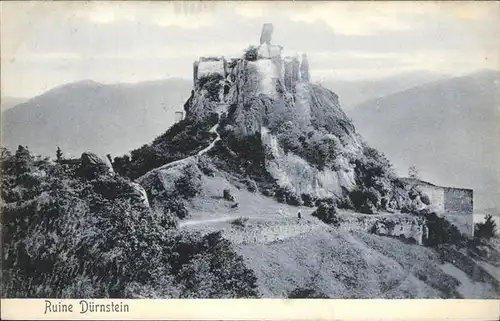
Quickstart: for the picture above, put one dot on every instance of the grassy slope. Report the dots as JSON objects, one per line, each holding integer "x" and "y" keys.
{"x": 345, "y": 262}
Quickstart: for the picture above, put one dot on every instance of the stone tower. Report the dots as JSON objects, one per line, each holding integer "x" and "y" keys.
{"x": 267, "y": 33}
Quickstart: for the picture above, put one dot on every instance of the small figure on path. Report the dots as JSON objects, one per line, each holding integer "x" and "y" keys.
{"x": 299, "y": 214}
{"x": 281, "y": 211}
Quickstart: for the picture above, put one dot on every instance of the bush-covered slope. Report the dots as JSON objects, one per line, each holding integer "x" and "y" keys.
{"x": 65, "y": 235}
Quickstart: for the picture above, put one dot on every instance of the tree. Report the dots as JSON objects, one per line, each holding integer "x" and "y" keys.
{"x": 413, "y": 172}
{"x": 23, "y": 160}
{"x": 441, "y": 231}
{"x": 487, "y": 229}
{"x": 59, "y": 154}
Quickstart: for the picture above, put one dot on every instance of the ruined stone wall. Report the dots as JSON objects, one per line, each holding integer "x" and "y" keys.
{"x": 458, "y": 200}
{"x": 266, "y": 51}
{"x": 179, "y": 115}
{"x": 292, "y": 69}
{"x": 455, "y": 204}
{"x": 436, "y": 196}
{"x": 394, "y": 225}
{"x": 208, "y": 66}
{"x": 435, "y": 193}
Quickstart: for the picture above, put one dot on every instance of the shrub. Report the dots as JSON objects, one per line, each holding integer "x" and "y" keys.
{"x": 327, "y": 212}
{"x": 208, "y": 267}
{"x": 318, "y": 147}
{"x": 285, "y": 195}
{"x": 409, "y": 207}
{"x": 306, "y": 293}
{"x": 176, "y": 206}
{"x": 386, "y": 223}
{"x": 345, "y": 203}
{"x": 23, "y": 160}
{"x": 487, "y": 229}
{"x": 240, "y": 221}
{"x": 212, "y": 84}
{"x": 251, "y": 185}
{"x": 374, "y": 179}
{"x": 251, "y": 53}
{"x": 206, "y": 166}
{"x": 365, "y": 200}
{"x": 227, "y": 195}
{"x": 188, "y": 185}
{"x": 307, "y": 200}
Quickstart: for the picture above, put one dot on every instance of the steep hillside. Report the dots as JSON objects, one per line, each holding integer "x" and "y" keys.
{"x": 91, "y": 116}
{"x": 448, "y": 129}
{"x": 306, "y": 257}
{"x": 80, "y": 231}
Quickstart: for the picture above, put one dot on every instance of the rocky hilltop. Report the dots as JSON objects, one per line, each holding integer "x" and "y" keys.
{"x": 262, "y": 119}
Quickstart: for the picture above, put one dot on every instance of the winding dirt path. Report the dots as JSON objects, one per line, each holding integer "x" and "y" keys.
{"x": 184, "y": 160}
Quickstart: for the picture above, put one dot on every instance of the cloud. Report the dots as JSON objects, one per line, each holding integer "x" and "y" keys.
{"x": 475, "y": 11}
{"x": 189, "y": 15}
{"x": 352, "y": 65}
{"x": 124, "y": 39}
{"x": 349, "y": 18}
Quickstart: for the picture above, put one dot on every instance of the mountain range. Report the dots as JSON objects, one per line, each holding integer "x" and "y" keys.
{"x": 87, "y": 115}
{"x": 9, "y": 102}
{"x": 352, "y": 93}
{"x": 449, "y": 129}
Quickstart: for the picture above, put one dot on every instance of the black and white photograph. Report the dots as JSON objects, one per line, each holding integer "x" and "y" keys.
{"x": 249, "y": 149}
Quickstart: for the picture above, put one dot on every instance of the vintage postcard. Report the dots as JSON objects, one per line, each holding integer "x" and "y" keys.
{"x": 299, "y": 151}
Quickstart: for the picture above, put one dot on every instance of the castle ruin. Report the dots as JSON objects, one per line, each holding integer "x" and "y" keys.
{"x": 179, "y": 115}
{"x": 448, "y": 201}
{"x": 268, "y": 61}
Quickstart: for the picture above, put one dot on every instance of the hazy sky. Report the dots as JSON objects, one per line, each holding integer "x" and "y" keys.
{"x": 45, "y": 44}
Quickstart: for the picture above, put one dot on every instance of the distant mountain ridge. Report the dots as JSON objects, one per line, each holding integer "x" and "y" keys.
{"x": 153, "y": 101}
{"x": 7, "y": 102}
{"x": 352, "y": 93}
{"x": 87, "y": 115}
{"x": 449, "y": 129}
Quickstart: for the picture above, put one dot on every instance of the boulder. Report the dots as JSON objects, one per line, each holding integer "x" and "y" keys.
{"x": 93, "y": 165}
{"x": 140, "y": 193}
